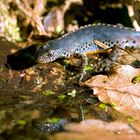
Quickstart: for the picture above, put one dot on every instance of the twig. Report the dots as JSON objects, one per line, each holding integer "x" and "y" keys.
{"x": 33, "y": 14}
{"x": 100, "y": 44}
{"x": 20, "y": 6}
{"x": 132, "y": 16}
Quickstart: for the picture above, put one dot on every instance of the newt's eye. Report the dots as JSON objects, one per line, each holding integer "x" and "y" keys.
{"x": 45, "y": 48}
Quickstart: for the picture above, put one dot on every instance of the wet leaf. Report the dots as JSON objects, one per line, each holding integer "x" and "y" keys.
{"x": 97, "y": 129}
{"x": 119, "y": 90}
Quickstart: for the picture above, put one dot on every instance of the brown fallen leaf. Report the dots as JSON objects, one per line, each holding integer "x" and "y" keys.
{"x": 119, "y": 90}
{"x": 97, "y": 129}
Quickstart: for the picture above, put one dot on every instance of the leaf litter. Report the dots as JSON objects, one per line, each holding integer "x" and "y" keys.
{"x": 123, "y": 94}
{"x": 119, "y": 90}
{"x": 97, "y": 129}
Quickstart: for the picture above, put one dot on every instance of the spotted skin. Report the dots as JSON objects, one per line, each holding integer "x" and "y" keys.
{"x": 82, "y": 42}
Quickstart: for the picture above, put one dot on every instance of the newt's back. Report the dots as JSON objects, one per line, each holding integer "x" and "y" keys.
{"x": 82, "y": 41}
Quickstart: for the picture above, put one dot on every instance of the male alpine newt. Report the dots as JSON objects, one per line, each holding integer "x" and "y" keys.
{"x": 82, "y": 42}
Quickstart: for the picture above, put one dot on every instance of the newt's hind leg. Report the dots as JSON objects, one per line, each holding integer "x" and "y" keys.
{"x": 83, "y": 67}
{"x": 84, "y": 64}
{"x": 102, "y": 49}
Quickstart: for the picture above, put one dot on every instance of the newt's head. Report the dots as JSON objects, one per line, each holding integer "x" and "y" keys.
{"x": 46, "y": 53}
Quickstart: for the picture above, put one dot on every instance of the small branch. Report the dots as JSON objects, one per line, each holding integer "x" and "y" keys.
{"x": 132, "y": 16}
{"x": 33, "y": 14}
{"x": 100, "y": 44}
{"x": 21, "y": 7}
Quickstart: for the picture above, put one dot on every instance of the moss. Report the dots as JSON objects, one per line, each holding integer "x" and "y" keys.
{"x": 22, "y": 122}
{"x": 130, "y": 119}
{"x": 102, "y": 106}
{"x": 136, "y": 79}
{"x": 53, "y": 120}
{"x": 88, "y": 68}
{"x": 61, "y": 97}
{"x": 48, "y": 92}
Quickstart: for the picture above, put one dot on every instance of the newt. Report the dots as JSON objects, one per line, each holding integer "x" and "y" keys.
{"x": 82, "y": 42}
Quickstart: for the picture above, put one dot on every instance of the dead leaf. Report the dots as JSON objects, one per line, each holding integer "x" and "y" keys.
{"x": 119, "y": 90}
{"x": 97, "y": 129}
